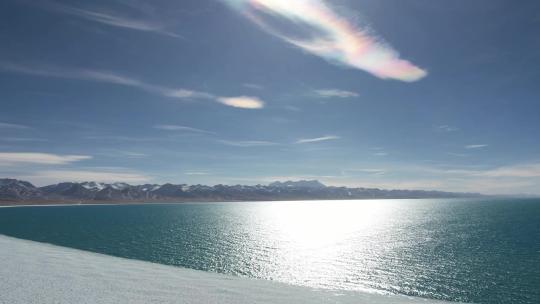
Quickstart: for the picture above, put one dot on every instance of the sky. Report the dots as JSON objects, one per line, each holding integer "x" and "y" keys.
{"x": 364, "y": 93}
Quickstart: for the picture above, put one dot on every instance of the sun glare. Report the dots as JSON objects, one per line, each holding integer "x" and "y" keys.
{"x": 314, "y": 225}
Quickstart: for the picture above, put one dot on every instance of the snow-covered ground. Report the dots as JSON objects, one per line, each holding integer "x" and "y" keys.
{"x": 32, "y": 272}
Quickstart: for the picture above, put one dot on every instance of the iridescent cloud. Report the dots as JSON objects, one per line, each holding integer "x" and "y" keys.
{"x": 333, "y": 37}
{"x": 246, "y": 102}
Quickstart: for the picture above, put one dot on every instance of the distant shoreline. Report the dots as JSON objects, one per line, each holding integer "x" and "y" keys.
{"x": 4, "y": 204}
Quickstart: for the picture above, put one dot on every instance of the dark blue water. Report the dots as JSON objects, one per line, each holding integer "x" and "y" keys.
{"x": 481, "y": 251}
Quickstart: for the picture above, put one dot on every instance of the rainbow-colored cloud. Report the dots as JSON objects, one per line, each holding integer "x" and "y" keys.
{"x": 337, "y": 39}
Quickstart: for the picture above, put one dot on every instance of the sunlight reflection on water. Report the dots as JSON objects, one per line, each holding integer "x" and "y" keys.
{"x": 307, "y": 242}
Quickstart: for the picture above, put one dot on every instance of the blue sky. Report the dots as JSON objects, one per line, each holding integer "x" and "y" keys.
{"x": 444, "y": 94}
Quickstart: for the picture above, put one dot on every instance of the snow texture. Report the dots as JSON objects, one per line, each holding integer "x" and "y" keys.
{"x": 32, "y": 272}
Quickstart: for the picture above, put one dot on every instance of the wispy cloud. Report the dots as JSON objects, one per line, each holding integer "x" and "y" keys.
{"x": 116, "y": 153}
{"x": 246, "y": 102}
{"x": 365, "y": 171}
{"x": 329, "y": 93}
{"x": 506, "y": 179}
{"x": 196, "y": 173}
{"x": 291, "y": 108}
{"x": 511, "y": 178}
{"x": 447, "y": 128}
{"x": 520, "y": 170}
{"x": 523, "y": 170}
{"x": 333, "y": 37}
{"x": 457, "y": 154}
{"x": 108, "y": 18}
{"x": 124, "y": 138}
{"x": 475, "y": 146}
{"x": 317, "y": 139}
{"x": 22, "y": 139}
{"x": 135, "y": 139}
{"x": 57, "y": 176}
{"x": 100, "y": 76}
{"x": 247, "y": 143}
{"x": 39, "y": 158}
{"x": 253, "y": 86}
{"x": 130, "y": 154}
{"x": 5, "y": 125}
{"x": 181, "y": 129}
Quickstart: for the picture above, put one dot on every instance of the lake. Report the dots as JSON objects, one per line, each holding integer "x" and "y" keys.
{"x": 467, "y": 250}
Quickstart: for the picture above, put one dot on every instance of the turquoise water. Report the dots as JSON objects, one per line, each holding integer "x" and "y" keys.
{"x": 477, "y": 251}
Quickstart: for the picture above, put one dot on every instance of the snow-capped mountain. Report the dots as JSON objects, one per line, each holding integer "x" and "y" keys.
{"x": 12, "y": 190}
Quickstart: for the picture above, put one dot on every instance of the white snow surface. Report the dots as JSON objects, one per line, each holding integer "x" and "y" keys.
{"x": 93, "y": 185}
{"x": 32, "y": 272}
{"x": 119, "y": 186}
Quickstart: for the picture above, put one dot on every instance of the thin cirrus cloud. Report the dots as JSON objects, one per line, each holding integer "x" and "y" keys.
{"x": 447, "y": 128}
{"x": 371, "y": 171}
{"x": 475, "y": 146}
{"x": 15, "y": 158}
{"x": 317, "y": 139}
{"x": 247, "y": 143}
{"x": 5, "y": 125}
{"x": 333, "y": 38}
{"x": 116, "y": 153}
{"x": 196, "y": 173}
{"x": 99, "y": 76}
{"x": 23, "y": 139}
{"x": 253, "y": 86}
{"x": 246, "y": 102}
{"x": 330, "y": 93}
{"x": 182, "y": 129}
{"x": 108, "y": 18}
{"x": 56, "y": 176}
{"x": 521, "y": 170}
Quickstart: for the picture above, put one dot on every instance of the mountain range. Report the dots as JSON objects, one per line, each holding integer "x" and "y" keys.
{"x": 13, "y": 191}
